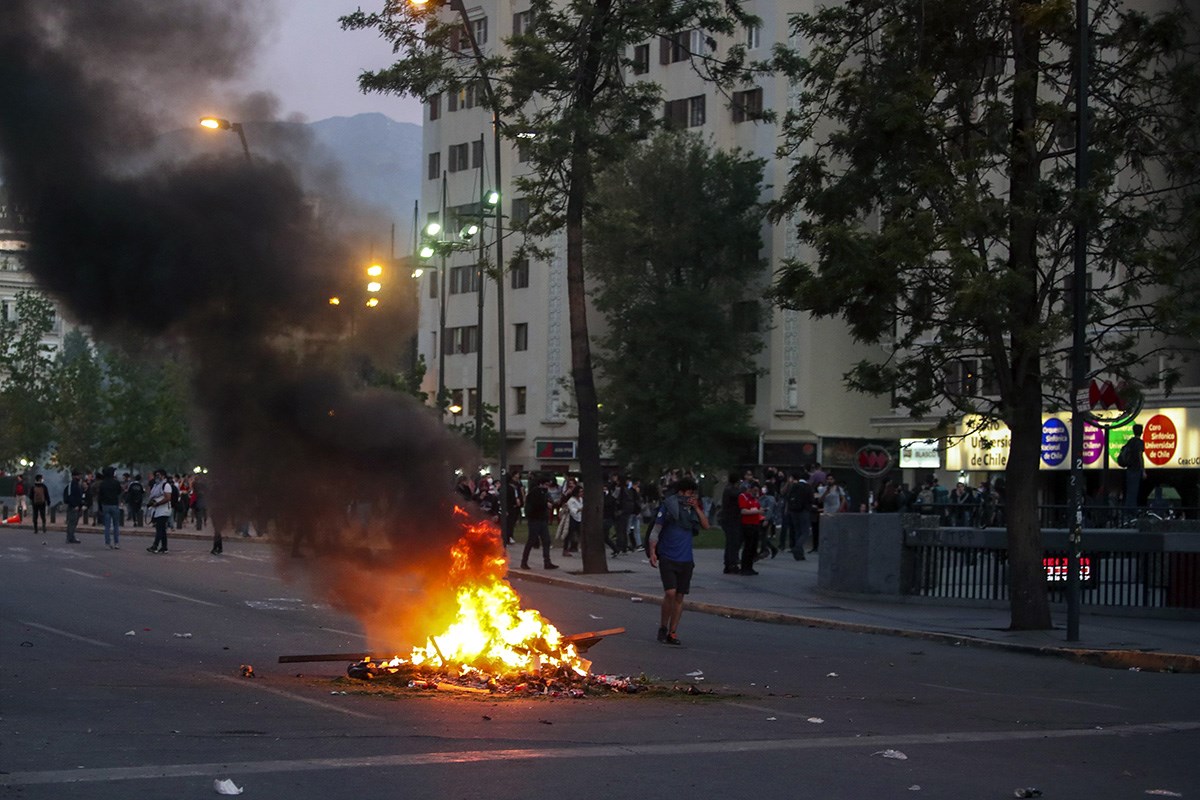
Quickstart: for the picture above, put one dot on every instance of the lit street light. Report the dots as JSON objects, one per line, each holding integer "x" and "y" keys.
{"x": 218, "y": 124}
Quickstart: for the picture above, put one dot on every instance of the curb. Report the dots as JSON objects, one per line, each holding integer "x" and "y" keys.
{"x": 1110, "y": 659}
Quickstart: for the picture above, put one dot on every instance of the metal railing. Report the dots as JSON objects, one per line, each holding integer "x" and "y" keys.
{"x": 1120, "y": 568}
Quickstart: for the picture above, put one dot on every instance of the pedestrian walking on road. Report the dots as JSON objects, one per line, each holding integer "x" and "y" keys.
{"x": 109, "y": 494}
{"x": 73, "y": 500}
{"x": 160, "y": 504}
{"x": 537, "y": 515}
{"x": 680, "y": 518}
{"x": 39, "y": 499}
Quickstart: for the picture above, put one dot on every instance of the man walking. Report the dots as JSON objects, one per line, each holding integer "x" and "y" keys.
{"x": 159, "y": 503}
{"x": 680, "y": 517}
{"x": 800, "y": 512}
{"x": 73, "y": 500}
{"x": 39, "y": 499}
{"x": 537, "y": 515}
{"x": 109, "y": 495}
{"x": 731, "y": 523}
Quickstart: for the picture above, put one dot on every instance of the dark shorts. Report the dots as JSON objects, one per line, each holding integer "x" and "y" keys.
{"x": 676, "y": 575}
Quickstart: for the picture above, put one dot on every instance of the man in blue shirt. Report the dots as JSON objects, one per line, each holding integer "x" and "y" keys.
{"x": 680, "y": 517}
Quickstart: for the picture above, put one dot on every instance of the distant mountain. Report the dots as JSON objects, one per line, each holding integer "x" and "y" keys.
{"x": 380, "y": 159}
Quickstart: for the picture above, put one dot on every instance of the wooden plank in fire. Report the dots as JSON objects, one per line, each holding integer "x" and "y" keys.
{"x": 584, "y": 641}
{"x": 306, "y": 659}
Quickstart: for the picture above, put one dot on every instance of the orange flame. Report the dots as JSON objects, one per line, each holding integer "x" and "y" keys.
{"x": 491, "y": 633}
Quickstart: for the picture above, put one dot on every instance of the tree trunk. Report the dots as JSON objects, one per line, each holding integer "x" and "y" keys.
{"x": 1029, "y": 606}
{"x": 579, "y": 185}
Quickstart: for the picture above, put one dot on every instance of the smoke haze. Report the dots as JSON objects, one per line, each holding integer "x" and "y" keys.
{"x": 85, "y": 89}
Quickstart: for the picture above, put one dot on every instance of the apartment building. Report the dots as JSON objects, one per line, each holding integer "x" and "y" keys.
{"x": 800, "y": 407}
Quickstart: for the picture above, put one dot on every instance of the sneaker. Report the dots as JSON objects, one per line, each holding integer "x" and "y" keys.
{"x": 662, "y": 634}
{"x": 109, "y": 546}
{"x": 151, "y": 549}
{"x": 551, "y": 566}
{"x": 116, "y": 547}
{"x": 798, "y": 555}
{"x": 748, "y": 572}
{"x": 731, "y": 570}
{"x": 525, "y": 566}
{"x": 672, "y": 639}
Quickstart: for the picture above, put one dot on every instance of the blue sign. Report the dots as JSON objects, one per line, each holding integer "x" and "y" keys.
{"x": 1056, "y": 442}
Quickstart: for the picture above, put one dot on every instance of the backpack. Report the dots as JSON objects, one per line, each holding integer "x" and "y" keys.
{"x": 135, "y": 493}
{"x": 1127, "y": 458}
{"x": 38, "y": 495}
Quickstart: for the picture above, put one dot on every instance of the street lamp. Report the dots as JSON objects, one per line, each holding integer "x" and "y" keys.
{"x": 492, "y": 199}
{"x": 218, "y": 124}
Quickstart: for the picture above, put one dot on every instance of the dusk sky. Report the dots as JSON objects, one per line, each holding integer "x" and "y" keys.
{"x": 312, "y": 65}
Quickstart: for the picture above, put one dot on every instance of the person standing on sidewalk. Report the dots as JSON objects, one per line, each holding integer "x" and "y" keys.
{"x": 800, "y": 510}
{"x": 73, "y": 500}
{"x": 537, "y": 515}
{"x": 39, "y": 499}
{"x": 752, "y": 520}
{"x": 730, "y": 519}
{"x": 680, "y": 517}
{"x": 109, "y": 495}
{"x": 159, "y": 504}
{"x": 22, "y": 500}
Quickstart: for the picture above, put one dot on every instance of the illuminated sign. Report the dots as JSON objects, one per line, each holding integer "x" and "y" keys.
{"x": 1172, "y": 442}
{"x": 556, "y": 449}
{"x": 1056, "y": 569}
{"x": 920, "y": 454}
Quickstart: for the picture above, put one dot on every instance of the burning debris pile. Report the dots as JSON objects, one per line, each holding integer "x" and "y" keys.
{"x": 491, "y": 644}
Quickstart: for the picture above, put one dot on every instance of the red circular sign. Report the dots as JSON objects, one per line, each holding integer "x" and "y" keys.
{"x": 1161, "y": 439}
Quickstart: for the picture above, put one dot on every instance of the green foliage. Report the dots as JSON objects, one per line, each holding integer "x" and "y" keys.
{"x": 146, "y": 408}
{"x": 490, "y": 439}
{"x": 26, "y": 363}
{"x": 674, "y": 245}
{"x": 932, "y": 177}
{"x": 78, "y": 414}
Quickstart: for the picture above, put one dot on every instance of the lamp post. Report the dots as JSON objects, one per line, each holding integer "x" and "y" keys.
{"x": 218, "y": 124}
{"x": 459, "y": 7}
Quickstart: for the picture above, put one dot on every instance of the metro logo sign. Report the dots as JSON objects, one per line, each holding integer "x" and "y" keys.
{"x": 872, "y": 461}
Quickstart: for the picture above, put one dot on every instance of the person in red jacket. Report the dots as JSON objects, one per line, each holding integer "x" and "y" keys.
{"x": 752, "y": 520}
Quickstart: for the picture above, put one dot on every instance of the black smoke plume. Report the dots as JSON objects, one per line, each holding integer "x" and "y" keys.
{"x": 85, "y": 88}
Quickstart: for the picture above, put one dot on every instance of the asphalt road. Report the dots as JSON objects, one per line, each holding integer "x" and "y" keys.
{"x": 87, "y": 710}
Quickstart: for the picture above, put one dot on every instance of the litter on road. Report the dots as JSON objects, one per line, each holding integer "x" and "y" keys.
{"x": 226, "y": 786}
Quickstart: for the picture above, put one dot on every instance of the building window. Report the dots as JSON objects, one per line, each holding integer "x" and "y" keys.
{"x": 520, "y": 210}
{"x": 452, "y": 100}
{"x": 435, "y": 107}
{"x": 481, "y": 30}
{"x": 700, "y": 43}
{"x": 461, "y": 340}
{"x": 753, "y": 36}
{"x": 519, "y": 399}
{"x": 523, "y": 151}
{"x": 464, "y": 280}
{"x": 433, "y": 287}
{"x": 685, "y": 113}
{"x": 472, "y": 399}
{"x": 750, "y": 389}
{"x": 522, "y": 22}
{"x": 460, "y": 156}
{"x": 477, "y": 154}
{"x": 521, "y": 337}
{"x": 456, "y": 399}
{"x": 520, "y": 274}
{"x": 435, "y": 166}
{"x": 641, "y": 59}
{"x": 674, "y": 47}
{"x": 747, "y": 105}
{"x": 433, "y": 336}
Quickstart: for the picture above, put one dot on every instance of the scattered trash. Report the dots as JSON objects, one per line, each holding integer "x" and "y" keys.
{"x": 896, "y": 754}
{"x": 635, "y": 599}
{"x": 131, "y": 633}
{"x": 486, "y": 718}
{"x": 695, "y": 674}
{"x": 183, "y": 636}
{"x": 226, "y": 786}
{"x": 593, "y": 616}
{"x": 832, "y": 675}
{"x": 337, "y": 692}
{"x": 1135, "y": 669}
{"x": 26, "y": 644}
{"x": 1163, "y": 793}
{"x": 545, "y": 722}
{"x": 247, "y": 671}
{"x": 1028, "y": 791}
{"x": 914, "y": 788}
{"x": 772, "y": 719}
{"x": 816, "y": 720}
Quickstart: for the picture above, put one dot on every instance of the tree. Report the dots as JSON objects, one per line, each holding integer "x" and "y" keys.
{"x": 26, "y": 363}
{"x": 565, "y": 78}
{"x": 673, "y": 245}
{"x": 932, "y": 177}
{"x": 146, "y": 410}
{"x": 78, "y": 407}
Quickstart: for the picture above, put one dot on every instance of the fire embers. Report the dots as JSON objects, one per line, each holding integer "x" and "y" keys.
{"x": 546, "y": 682}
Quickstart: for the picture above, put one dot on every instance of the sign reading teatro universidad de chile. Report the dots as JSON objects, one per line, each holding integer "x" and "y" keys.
{"x": 1172, "y": 437}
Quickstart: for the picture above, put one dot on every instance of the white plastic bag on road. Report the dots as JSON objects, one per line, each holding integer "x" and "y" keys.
{"x": 226, "y": 786}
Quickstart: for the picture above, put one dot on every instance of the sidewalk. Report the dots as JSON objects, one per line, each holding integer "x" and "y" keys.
{"x": 785, "y": 592}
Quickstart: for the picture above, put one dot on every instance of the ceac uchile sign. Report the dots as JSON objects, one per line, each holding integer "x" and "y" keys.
{"x": 1172, "y": 442}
